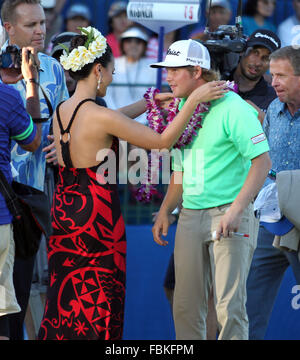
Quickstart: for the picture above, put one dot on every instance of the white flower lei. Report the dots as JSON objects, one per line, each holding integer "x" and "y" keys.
{"x": 94, "y": 47}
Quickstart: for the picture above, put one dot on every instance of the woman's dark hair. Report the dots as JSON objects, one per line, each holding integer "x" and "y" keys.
{"x": 251, "y": 8}
{"x": 104, "y": 60}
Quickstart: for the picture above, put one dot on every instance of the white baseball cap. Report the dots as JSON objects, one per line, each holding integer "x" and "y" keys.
{"x": 186, "y": 53}
{"x": 134, "y": 32}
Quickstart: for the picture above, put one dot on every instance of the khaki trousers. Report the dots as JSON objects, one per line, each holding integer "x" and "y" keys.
{"x": 8, "y": 301}
{"x": 201, "y": 263}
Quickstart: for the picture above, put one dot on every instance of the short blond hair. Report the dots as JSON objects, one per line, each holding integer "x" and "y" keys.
{"x": 9, "y": 6}
{"x": 207, "y": 75}
{"x": 210, "y": 75}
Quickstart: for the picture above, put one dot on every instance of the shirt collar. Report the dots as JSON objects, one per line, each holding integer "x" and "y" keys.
{"x": 283, "y": 109}
{"x": 182, "y": 102}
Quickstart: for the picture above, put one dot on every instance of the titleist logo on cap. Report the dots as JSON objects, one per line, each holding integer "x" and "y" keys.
{"x": 267, "y": 37}
{"x": 173, "y": 52}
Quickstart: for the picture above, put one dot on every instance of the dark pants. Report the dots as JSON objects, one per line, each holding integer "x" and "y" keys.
{"x": 23, "y": 271}
{"x": 4, "y": 326}
{"x": 266, "y": 273}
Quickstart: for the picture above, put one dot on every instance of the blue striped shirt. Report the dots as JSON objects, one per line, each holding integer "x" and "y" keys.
{"x": 15, "y": 124}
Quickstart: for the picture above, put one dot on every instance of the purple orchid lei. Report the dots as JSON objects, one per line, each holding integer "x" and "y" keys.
{"x": 158, "y": 123}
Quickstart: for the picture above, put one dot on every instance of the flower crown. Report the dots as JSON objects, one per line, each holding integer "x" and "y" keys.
{"x": 93, "y": 48}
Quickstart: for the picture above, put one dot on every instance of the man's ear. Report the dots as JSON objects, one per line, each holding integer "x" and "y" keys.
{"x": 198, "y": 72}
{"x": 9, "y": 28}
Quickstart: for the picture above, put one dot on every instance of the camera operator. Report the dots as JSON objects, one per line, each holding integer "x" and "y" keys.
{"x": 218, "y": 12}
{"x": 24, "y": 22}
{"x": 253, "y": 65}
{"x": 17, "y": 124}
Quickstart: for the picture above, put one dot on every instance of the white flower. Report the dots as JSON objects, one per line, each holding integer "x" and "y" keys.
{"x": 74, "y": 60}
{"x": 64, "y": 61}
{"x": 96, "y": 32}
{"x": 98, "y": 47}
{"x": 81, "y": 56}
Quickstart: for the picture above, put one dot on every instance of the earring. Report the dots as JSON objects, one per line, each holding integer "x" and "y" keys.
{"x": 99, "y": 83}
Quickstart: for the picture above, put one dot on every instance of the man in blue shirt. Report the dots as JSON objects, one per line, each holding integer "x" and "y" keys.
{"x": 17, "y": 125}
{"x": 282, "y": 128}
{"x": 24, "y": 23}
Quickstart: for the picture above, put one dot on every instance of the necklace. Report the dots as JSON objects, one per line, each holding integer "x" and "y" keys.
{"x": 158, "y": 122}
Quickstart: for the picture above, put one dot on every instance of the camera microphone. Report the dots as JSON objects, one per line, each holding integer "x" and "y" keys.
{"x": 238, "y": 19}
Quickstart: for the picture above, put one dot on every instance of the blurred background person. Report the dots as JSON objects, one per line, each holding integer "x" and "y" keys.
{"x": 118, "y": 22}
{"x": 133, "y": 74}
{"x": 289, "y": 29}
{"x": 219, "y": 13}
{"x": 78, "y": 15}
{"x": 54, "y": 21}
{"x": 257, "y": 14}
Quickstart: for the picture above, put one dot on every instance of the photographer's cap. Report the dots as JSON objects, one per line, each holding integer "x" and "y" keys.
{"x": 186, "y": 53}
{"x": 280, "y": 227}
{"x": 265, "y": 38}
{"x": 221, "y": 3}
{"x": 64, "y": 39}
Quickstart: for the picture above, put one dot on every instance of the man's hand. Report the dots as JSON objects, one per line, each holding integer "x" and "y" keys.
{"x": 229, "y": 223}
{"x": 51, "y": 156}
{"x": 30, "y": 63}
{"x": 171, "y": 217}
{"x": 210, "y": 91}
{"x": 160, "y": 228}
{"x": 164, "y": 99}
{"x": 29, "y": 68}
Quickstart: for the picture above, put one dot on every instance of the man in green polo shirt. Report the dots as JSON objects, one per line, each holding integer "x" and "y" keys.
{"x": 217, "y": 175}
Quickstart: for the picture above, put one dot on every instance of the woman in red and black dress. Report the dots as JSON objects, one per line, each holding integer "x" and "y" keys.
{"x": 87, "y": 251}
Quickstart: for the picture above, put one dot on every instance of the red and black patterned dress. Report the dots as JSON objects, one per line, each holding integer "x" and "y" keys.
{"x": 86, "y": 256}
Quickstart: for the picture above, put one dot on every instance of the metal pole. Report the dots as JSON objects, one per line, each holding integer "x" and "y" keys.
{"x": 160, "y": 55}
